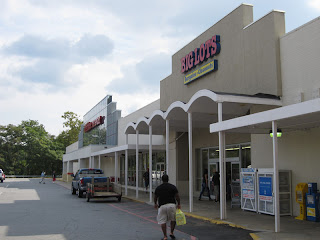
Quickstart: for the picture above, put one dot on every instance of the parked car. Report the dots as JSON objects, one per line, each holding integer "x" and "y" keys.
{"x": 2, "y": 176}
{"x": 84, "y": 176}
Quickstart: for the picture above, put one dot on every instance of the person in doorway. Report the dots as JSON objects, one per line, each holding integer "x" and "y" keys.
{"x": 216, "y": 184}
{"x": 43, "y": 174}
{"x": 205, "y": 185}
{"x": 165, "y": 199}
{"x": 146, "y": 179}
{"x": 53, "y": 176}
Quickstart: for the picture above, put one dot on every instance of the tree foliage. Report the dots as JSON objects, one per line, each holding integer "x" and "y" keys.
{"x": 28, "y": 149}
{"x": 73, "y": 125}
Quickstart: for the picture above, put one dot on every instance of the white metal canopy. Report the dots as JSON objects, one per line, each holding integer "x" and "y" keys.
{"x": 203, "y": 108}
{"x": 289, "y": 118}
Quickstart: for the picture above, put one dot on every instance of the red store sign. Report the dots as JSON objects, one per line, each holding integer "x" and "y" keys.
{"x": 208, "y": 49}
{"x": 93, "y": 124}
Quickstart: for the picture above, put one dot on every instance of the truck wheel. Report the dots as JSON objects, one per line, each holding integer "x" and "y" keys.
{"x": 73, "y": 191}
{"x": 80, "y": 193}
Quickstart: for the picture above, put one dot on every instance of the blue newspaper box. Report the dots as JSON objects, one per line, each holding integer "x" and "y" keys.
{"x": 312, "y": 203}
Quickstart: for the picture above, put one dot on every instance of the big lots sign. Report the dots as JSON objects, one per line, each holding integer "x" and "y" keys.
{"x": 90, "y": 125}
{"x": 208, "y": 49}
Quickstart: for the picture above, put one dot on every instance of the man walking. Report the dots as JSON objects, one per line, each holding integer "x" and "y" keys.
{"x": 146, "y": 179}
{"x": 165, "y": 198}
{"x": 205, "y": 185}
{"x": 43, "y": 174}
{"x": 54, "y": 176}
{"x": 216, "y": 185}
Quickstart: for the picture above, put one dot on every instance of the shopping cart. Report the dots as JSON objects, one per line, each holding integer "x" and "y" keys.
{"x": 235, "y": 195}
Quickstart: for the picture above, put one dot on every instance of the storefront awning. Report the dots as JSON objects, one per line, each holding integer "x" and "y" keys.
{"x": 294, "y": 117}
{"x": 204, "y": 107}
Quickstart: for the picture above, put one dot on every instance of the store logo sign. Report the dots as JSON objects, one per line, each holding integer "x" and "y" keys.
{"x": 207, "y": 50}
{"x": 93, "y": 124}
{"x": 209, "y": 67}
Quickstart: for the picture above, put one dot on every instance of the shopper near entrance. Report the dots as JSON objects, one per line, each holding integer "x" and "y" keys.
{"x": 165, "y": 199}
{"x": 146, "y": 179}
{"x": 205, "y": 185}
{"x": 216, "y": 185}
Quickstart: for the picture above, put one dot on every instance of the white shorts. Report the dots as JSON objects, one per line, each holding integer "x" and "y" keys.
{"x": 166, "y": 213}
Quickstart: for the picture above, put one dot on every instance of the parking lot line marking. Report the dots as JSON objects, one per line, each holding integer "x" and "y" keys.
{"x": 137, "y": 215}
{"x": 147, "y": 219}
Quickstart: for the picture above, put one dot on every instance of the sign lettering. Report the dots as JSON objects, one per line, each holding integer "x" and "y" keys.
{"x": 90, "y": 125}
{"x": 208, "y": 49}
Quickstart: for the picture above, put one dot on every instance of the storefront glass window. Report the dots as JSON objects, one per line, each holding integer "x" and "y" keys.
{"x": 158, "y": 168}
{"x": 213, "y": 153}
{"x": 245, "y": 156}
{"x": 232, "y": 166}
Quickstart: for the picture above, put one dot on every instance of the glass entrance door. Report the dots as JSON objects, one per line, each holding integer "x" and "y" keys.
{"x": 235, "y": 172}
{"x": 213, "y": 167}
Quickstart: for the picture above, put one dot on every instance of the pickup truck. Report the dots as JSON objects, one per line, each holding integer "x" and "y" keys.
{"x": 84, "y": 176}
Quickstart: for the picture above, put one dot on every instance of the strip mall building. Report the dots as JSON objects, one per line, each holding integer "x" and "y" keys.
{"x": 229, "y": 88}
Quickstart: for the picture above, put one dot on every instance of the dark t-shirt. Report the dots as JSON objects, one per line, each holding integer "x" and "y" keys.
{"x": 166, "y": 193}
{"x": 204, "y": 177}
{"x": 146, "y": 176}
{"x": 216, "y": 179}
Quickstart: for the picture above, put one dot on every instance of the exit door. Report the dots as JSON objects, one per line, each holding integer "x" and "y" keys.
{"x": 213, "y": 167}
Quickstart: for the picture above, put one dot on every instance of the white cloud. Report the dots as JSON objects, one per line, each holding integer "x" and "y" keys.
{"x": 314, "y": 4}
{"x": 68, "y": 56}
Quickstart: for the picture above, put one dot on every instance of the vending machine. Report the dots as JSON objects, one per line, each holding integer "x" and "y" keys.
{"x": 301, "y": 191}
{"x": 312, "y": 202}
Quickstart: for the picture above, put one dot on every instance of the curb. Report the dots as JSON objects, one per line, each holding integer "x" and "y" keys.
{"x": 215, "y": 221}
{"x": 252, "y": 235}
{"x": 132, "y": 199}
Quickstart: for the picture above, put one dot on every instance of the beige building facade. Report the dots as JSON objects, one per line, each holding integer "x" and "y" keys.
{"x": 247, "y": 67}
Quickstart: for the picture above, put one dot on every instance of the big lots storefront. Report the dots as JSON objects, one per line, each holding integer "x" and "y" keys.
{"x": 205, "y": 117}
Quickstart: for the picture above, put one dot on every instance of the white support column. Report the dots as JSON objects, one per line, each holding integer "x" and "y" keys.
{"x": 167, "y": 146}
{"x": 137, "y": 163}
{"x": 116, "y": 167}
{"x": 126, "y": 173}
{"x": 67, "y": 170}
{"x": 126, "y": 169}
{"x": 68, "y": 166}
{"x": 79, "y": 162}
{"x": 222, "y": 167}
{"x": 190, "y": 162}
{"x": 150, "y": 163}
{"x": 90, "y": 162}
{"x": 276, "y": 178}
{"x": 99, "y": 162}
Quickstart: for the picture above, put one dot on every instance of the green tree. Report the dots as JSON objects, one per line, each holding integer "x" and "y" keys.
{"x": 28, "y": 149}
{"x": 73, "y": 125}
{"x": 10, "y": 147}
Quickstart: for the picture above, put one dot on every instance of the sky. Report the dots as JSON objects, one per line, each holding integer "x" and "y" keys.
{"x": 58, "y": 56}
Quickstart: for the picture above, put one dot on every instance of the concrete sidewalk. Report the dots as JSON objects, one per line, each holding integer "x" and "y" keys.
{"x": 262, "y": 225}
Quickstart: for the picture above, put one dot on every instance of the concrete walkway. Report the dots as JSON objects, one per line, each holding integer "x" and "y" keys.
{"x": 262, "y": 225}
